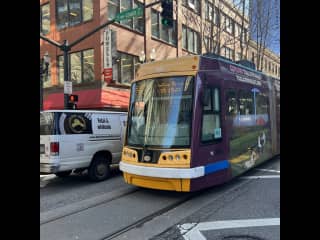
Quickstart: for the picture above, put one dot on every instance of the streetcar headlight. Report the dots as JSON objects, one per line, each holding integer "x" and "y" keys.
{"x": 147, "y": 158}
{"x": 170, "y": 157}
{"x": 178, "y": 157}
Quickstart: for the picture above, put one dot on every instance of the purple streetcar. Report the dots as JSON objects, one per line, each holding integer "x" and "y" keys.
{"x": 198, "y": 121}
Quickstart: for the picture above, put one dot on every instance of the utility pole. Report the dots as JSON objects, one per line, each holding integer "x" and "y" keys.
{"x": 144, "y": 18}
{"x": 65, "y": 47}
{"x": 45, "y": 60}
{"x": 41, "y": 84}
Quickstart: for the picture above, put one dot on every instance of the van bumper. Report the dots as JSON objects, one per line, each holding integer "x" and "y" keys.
{"x": 48, "y": 168}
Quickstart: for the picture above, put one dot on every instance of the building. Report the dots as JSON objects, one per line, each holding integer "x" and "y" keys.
{"x": 270, "y": 64}
{"x": 200, "y": 26}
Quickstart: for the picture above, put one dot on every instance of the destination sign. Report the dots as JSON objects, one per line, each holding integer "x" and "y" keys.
{"x": 244, "y": 75}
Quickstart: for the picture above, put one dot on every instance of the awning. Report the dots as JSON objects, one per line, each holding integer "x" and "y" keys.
{"x": 91, "y": 99}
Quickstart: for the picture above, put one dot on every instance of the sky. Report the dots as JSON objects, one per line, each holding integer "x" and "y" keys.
{"x": 273, "y": 41}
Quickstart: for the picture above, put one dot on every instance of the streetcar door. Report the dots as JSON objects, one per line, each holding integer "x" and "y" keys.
{"x": 209, "y": 150}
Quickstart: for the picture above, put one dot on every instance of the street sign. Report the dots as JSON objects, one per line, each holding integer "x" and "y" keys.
{"x": 135, "y": 12}
{"x": 67, "y": 87}
{"x": 107, "y": 49}
{"x": 255, "y": 90}
{"x": 107, "y": 72}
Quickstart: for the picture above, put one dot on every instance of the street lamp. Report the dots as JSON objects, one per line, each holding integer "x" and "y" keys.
{"x": 142, "y": 57}
{"x": 153, "y": 54}
{"x": 44, "y": 69}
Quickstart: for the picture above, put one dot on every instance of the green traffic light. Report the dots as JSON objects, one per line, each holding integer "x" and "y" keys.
{"x": 166, "y": 22}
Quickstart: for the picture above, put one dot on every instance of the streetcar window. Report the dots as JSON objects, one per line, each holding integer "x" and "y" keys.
{"x": 231, "y": 100}
{"x": 246, "y": 102}
{"x": 262, "y": 104}
{"x": 211, "y": 126}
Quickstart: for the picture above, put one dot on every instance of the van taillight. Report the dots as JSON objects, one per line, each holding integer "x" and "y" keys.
{"x": 54, "y": 148}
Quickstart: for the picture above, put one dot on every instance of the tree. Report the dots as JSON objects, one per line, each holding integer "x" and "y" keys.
{"x": 265, "y": 26}
{"x": 216, "y": 21}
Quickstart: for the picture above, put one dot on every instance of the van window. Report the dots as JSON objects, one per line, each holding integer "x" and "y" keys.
{"x": 46, "y": 123}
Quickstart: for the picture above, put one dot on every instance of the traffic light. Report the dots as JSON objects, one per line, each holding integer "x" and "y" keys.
{"x": 73, "y": 98}
{"x": 167, "y": 13}
{"x": 72, "y": 101}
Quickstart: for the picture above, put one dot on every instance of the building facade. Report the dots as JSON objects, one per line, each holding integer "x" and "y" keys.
{"x": 200, "y": 26}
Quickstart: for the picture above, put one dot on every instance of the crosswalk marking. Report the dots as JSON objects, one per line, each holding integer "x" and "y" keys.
{"x": 191, "y": 231}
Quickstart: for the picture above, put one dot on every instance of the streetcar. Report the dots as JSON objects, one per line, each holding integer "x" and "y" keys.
{"x": 199, "y": 121}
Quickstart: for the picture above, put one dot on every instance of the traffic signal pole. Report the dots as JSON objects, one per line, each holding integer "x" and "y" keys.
{"x": 65, "y": 47}
{"x": 144, "y": 20}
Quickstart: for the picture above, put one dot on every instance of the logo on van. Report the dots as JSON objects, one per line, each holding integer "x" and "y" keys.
{"x": 77, "y": 123}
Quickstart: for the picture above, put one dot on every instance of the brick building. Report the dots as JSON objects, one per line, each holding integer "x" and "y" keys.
{"x": 200, "y": 26}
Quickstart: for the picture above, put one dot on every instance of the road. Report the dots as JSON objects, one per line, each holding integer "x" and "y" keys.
{"x": 57, "y": 192}
{"x": 245, "y": 208}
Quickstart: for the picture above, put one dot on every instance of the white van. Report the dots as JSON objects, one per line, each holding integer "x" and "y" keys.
{"x": 79, "y": 140}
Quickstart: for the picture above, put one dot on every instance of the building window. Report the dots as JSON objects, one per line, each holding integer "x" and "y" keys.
{"x": 244, "y": 35}
{"x": 208, "y": 11}
{"x": 238, "y": 56}
{"x": 265, "y": 65}
{"x": 117, "y": 6}
{"x": 184, "y": 38}
{"x": 227, "y": 52}
{"x": 81, "y": 67}
{"x": 155, "y": 24}
{"x": 87, "y": 10}
{"x": 45, "y": 18}
{"x": 191, "y": 40}
{"x": 269, "y": 69}
{"x": 211, "y": 13}
{"x": 113, "y": 8}
{"x": 238, "y": 31}
{"x": 88, "y": 65}
{"x": 127, "y": 67}
{"x": 211, "y": 125}
{"x": 46, "y": 77}
{"x": 228, "y": 24}
{"x": 192, "y": 4}
{"x": 73, "y": 12}
{"x": 163, "y": 32}
{"x": 216, "y": 17}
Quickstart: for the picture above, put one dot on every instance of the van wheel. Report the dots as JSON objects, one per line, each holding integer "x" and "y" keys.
{"x": 99, "y": 169}
{"x": 63, "y": 174}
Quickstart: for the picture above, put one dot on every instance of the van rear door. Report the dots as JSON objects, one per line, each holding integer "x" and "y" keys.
{"x": 46, "y": 133}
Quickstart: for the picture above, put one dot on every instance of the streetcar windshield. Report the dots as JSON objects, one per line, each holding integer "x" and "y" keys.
{"x": 160, "y": 112}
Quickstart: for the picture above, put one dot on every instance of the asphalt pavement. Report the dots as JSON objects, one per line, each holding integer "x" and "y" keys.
{"x": 247, "y": 207}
